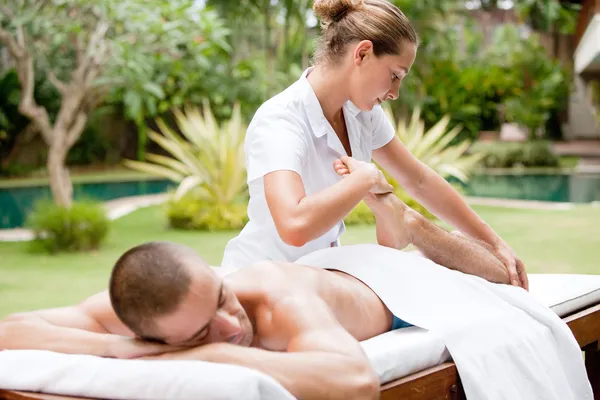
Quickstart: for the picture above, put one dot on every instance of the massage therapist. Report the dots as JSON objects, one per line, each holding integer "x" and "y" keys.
{"x": 297, "y": 200}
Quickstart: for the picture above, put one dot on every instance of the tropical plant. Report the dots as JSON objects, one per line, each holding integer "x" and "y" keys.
{"x": 207, "y": 161}
{"x": 434, "y": 148}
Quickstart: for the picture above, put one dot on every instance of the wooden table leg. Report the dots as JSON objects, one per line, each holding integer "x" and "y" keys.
{"x": 592, "y": 365}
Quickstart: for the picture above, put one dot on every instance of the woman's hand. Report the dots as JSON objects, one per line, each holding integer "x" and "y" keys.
{"x": 514, "y": 265}
{"x": 347, "y": 165}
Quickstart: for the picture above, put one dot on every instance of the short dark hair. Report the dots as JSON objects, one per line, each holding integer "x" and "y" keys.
{"x": 148, "y": 281}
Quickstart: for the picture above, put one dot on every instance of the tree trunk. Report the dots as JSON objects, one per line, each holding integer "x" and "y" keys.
{"x": 58, "y": 176}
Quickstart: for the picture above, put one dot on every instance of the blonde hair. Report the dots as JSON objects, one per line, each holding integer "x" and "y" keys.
{"x": 347, "y": 21}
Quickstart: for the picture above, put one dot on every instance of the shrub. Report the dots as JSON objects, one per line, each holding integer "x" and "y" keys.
{"x": 81, "y": 227}
{"x": 207, "y": 162}
{"x": 193, "y": 211}
{"x": 510, "y": 154}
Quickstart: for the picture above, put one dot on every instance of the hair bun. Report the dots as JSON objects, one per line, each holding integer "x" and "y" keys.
{"x": 329, "y": 11}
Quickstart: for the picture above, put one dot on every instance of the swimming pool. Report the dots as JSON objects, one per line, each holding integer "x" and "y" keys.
{"x": 573, "y": 188}
{"x": 15, "y": 203}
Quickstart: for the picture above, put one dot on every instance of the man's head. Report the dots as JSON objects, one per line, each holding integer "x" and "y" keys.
{"x": 165, "y": 291}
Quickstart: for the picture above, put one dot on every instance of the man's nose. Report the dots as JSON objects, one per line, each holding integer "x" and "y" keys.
{"x": 227, "y": 324}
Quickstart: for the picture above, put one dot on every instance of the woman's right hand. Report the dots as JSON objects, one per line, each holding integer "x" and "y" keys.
{"x": 348, "y": 165}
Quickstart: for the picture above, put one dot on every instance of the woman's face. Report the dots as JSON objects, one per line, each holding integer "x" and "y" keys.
{"x": 376, "y": 79}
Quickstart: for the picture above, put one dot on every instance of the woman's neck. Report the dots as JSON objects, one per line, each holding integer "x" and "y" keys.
{"x": 330, "y": 87}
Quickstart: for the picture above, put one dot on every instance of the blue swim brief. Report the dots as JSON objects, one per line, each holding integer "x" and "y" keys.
{"x": 397, "y": 323}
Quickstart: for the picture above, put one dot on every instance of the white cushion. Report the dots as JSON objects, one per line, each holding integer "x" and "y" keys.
{"x": 406, "y": 351}
{"x": 107, "y": 378}
{"x": 565, "y": 293}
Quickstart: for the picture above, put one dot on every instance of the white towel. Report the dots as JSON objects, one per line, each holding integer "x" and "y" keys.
{"x": 104, "y": 378}
{"x": 506, "y": 345}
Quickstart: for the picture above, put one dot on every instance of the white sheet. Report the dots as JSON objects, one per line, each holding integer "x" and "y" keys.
{"x": 403, "y": 352}
{"x": 103, "y": 378}
{"x": 506, "y": 344}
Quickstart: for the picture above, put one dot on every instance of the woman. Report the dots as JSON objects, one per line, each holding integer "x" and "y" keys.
{"x": 297, "y": 200}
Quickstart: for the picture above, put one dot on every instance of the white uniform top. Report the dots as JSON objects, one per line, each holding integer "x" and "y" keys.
{"x": 290, "y": 132}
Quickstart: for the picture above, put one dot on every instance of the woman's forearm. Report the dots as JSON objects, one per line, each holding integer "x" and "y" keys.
{"x": 442, "y": 200}
{"x": 317, "y": 213}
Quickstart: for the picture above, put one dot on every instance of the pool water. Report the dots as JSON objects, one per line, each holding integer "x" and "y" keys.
{"x": 16, "y": 203}
{"x": 574, "y": 188}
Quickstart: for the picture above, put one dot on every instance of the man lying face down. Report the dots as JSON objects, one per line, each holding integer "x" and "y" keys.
{"x": 297, "y": 323}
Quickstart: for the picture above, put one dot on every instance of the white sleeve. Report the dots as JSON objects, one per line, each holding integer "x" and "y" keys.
{"x": 274, "y": 142}
{"x": 383, "y": 130}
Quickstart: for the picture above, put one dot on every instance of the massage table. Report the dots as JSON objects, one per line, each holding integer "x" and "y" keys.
{"x": 413, "y": 363}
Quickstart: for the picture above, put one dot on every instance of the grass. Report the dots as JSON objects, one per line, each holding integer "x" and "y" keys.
{"x": 547, "y": 241}
{"x": 569, "y": 161}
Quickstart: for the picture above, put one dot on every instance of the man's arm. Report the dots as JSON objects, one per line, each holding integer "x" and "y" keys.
{"x": 322, "y": 360}
{"x": 398, "y": 225}
{"x": 90, "y": 327}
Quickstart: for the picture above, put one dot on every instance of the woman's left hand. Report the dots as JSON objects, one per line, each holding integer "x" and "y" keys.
{"x": 514, "y": 265}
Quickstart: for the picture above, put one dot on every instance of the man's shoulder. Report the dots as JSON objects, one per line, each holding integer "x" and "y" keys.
{"x": 275, "y": 279}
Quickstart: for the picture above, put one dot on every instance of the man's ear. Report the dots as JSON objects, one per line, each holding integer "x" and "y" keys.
{"x": 362, "y": 51}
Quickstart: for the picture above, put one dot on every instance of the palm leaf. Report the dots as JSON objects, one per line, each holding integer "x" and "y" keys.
{"x": 433, "y": 147}
{"x": 206, "y": 157}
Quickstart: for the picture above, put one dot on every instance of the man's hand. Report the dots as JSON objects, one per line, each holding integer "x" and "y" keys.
{"x": 514, "y": 266}
{"x": 128, "y": 348}
{"x": 348, "y": 165}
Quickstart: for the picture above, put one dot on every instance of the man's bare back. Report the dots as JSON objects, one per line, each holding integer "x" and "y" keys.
{"x": 356, "y": 307}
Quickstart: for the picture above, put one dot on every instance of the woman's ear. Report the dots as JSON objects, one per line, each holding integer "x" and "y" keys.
{"x": 362, "y": 51}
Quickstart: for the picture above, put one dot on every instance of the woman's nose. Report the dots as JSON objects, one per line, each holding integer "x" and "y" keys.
{"x": 394, "y": 91}
{"x": 393, "y": 94}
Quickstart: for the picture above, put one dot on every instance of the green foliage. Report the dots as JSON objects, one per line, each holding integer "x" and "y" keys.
{"x": 168, "y": 53}
{"x": 481, "y": 83}
{"x": 13, "y": 123}
{"x": 91, "y": 147}
{"x": 10, "y": 94}
{"x": 207, "y": 161}
{"x": 194, "y": 212}
{"x": 155, "y": 54}
{"x": 535, "y": 85}
{"x": 81, "y": 227}
{"x": 512, "y": 154}
{"x": 434, "y": 146}
{"x": 546, "y": 15}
